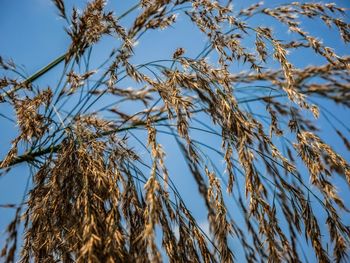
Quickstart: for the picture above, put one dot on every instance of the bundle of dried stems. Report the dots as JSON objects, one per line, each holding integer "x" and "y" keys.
{"x": 96, "y": 199}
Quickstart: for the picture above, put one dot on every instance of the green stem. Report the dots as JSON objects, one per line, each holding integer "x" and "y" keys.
{"x": 45, "y": 69}
{"x": 128, "y": 11}
{"x": 35, "y": 76}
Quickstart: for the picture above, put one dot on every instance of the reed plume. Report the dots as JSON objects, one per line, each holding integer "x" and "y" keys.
{"x": 96, "y": 198}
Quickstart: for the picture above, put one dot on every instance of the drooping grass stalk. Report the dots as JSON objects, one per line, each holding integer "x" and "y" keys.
{"x": 86, "y": 167}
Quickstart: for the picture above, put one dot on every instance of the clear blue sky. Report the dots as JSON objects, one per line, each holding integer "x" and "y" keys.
{"x": 32, "y": 35}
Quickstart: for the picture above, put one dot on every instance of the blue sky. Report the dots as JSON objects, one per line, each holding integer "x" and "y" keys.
{"x": 32, "y": 35}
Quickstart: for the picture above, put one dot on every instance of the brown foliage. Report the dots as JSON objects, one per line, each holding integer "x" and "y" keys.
{"x": 92, "y": 199}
